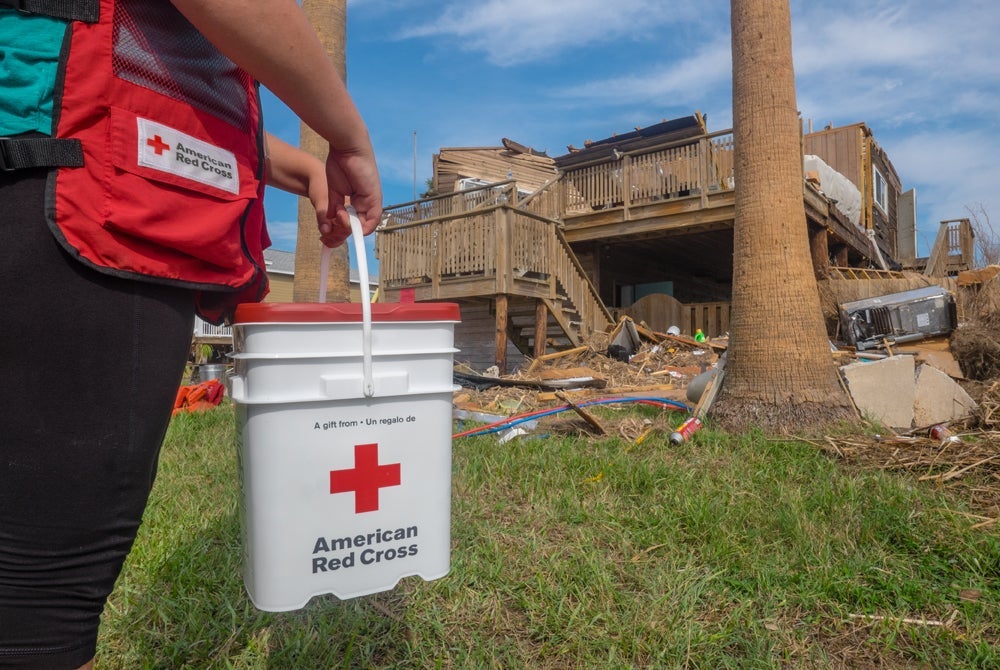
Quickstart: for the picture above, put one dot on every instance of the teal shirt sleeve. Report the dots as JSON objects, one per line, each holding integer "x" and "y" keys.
{"x": 29, "y": 63}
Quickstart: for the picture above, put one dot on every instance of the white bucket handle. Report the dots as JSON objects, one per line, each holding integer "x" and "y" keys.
{"x": 366, "y": 308}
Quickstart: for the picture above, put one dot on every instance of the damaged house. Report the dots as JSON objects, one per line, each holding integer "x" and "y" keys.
{"x": 542, "y": 251}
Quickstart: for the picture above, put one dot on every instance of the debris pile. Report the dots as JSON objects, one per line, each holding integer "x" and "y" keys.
{"x": 655, "y": 366}
{"x": 909, "y": 392}
{"x": 989, "y": 408}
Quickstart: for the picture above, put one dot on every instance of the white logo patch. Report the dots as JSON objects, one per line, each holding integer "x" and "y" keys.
{"x": 169, "y": 150}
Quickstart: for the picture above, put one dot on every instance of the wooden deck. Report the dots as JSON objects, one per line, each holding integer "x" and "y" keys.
{"x": 493, "y": 243}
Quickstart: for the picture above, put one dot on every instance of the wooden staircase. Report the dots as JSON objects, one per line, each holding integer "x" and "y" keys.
{"x": 953, "y": 250}
{"x": 563, "y": 325}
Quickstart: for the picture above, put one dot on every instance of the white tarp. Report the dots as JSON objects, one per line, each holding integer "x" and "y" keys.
{"x": 836, "y": 187}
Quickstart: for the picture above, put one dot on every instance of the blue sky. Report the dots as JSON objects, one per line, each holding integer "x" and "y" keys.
{"x": 924, "y": 76}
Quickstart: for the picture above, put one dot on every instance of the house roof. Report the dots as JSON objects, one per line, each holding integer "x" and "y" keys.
{"x": 283, "y": 263}
{"x": 640, "y": 138}
{"x": 279, "y": 262}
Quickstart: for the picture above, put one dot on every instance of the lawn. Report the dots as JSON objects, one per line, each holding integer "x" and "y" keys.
{"x": 572, "y": 552}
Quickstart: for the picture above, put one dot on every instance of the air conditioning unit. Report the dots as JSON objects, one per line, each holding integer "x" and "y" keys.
{"x": 898, "y": 317}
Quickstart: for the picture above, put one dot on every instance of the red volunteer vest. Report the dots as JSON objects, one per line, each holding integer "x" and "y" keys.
{"x": 172, "y": 182}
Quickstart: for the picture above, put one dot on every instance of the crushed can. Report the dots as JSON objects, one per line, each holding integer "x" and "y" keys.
{"x": 685, "y": 430}
{"x": 939, "y": 432}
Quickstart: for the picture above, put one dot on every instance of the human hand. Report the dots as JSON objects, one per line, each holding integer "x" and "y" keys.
{"x": 351, "y": 177}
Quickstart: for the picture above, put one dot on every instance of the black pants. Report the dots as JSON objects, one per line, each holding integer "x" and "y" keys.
{"x": 89, "y": 369}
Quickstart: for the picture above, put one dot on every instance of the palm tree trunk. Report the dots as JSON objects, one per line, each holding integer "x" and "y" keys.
{"x": 329, "y": 19}
{"x": 780, "y": 375}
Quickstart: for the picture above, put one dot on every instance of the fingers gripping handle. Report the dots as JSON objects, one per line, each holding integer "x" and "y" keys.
{"x": 366, "y": 309}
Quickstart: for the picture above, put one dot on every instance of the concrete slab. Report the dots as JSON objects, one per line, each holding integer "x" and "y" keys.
{"x": 934, "y": 351}
{"x": 884, "y": 390}
{"x": 938, "y": 398}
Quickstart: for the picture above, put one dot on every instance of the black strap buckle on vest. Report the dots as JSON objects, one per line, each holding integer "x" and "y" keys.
{"x": 35, "y": 152}
{"x": 78, "y": 10}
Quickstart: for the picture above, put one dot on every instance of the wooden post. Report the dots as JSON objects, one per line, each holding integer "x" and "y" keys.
{"x": 503, "y": 249}
{"x": 436, "y": 232}
{"x": 501, "y": 333}
{"x": 819, "y": 246}
{"x": 704, "y": 154}
{"x": 626, "y": 184}
{"x": 541, "y": 327}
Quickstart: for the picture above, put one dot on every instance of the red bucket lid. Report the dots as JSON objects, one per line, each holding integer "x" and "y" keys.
{"x": 332, "y": 312}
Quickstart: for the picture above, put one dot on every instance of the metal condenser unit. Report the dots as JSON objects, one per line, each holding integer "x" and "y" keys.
{"x": 898, "y": 317}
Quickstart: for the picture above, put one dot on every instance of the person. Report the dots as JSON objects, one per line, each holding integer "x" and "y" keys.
{"x": 132, "y": 167}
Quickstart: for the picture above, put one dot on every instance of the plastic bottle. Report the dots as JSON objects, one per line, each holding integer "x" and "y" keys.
{"x": 699, "y": 336}
{"x": 685, "y": 430}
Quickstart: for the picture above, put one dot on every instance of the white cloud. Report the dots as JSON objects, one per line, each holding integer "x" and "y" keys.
{"x": 511, "y": 32}
{"x": 923, "y": 75}
{"x": 692, "y": 80}
{"x": 283, "y": 234}
{"x": 951, "y": 171}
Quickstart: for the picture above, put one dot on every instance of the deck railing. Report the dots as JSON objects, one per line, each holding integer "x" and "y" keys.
{"x": 495, "y": 249}
{"x": 953, "y": 250}
{"x": 493, "y": 240}
{"x": 205, "y": 330}
{"x": 685, "y": 168}
{"x": 460, "y": 203}
{"x": 690, "y": 167}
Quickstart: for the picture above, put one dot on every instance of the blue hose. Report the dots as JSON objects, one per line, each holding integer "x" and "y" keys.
{"x": 524, "y": 418}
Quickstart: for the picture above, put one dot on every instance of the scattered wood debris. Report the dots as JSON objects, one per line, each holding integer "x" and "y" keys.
{"x": 989, "y": 406}
{"x": 657, "y": 365}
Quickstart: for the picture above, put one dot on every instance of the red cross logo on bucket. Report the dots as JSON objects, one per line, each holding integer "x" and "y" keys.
{"x": 365, "y": 478}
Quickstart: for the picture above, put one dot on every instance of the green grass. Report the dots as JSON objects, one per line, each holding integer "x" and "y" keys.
{"x": 572, "y": 553}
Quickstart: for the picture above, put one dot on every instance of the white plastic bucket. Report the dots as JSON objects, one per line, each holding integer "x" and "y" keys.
{"x": 344, "y": 446}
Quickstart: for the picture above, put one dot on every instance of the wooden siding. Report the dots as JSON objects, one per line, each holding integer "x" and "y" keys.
{"x": 841, "y": 148}
{"x": 281, "y": 288}
{"x": 490, "y": 164}
{"x": 885, "y": 223}
{"x": 853, "y": 152}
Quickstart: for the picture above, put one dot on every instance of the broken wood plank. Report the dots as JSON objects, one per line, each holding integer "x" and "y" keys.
{"x": 708, "y": 395}
{"x": 690, "y": 341}
{"x": 594, "y": 423}
{"x": 557, "y": 354}
{"x": 647, "y": 333}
